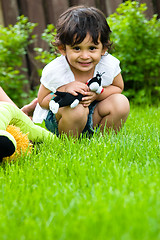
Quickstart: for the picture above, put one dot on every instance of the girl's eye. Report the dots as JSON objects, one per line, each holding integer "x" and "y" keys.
{"x": 92, "y": 48}
{"x": 76, "y": 48}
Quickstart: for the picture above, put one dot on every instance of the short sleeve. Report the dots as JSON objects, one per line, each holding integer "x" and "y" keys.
{"x": 117, "y": 69}
{"x": 110, "y": 67}
{"x": 56, "y": 74}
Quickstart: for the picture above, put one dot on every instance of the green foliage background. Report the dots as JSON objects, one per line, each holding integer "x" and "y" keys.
{"x": 13, "y": 47}
{"x": 135, "y": 43}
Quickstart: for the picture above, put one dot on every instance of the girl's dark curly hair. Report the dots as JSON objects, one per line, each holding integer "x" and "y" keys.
{"x": 74, "y": 24}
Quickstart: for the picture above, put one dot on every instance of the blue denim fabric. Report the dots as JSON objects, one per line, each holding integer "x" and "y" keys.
{"x": 52, "y": 125}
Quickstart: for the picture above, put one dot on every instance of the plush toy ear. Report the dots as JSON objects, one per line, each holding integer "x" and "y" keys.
{"x": 7, "y": 144}
{"x": 53, "y": 106}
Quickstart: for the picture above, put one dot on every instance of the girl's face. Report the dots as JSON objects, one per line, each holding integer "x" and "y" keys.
{"x": 85, "y": 56}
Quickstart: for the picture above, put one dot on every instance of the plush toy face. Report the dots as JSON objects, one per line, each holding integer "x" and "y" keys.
{"x": 95, "y": 84}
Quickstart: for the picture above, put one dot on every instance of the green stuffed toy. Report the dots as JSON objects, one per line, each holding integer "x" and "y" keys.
{"x": 17, "y": 130}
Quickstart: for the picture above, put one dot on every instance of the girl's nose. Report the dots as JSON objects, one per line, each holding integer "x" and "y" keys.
{"x": 84, "y": 54}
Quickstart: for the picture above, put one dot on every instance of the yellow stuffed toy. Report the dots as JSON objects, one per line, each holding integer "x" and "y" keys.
{"x": 23, "y": 144}
{"x": 16, "y": 132}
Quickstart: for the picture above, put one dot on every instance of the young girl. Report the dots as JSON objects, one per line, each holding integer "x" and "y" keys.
{"x": 83, "y": 41}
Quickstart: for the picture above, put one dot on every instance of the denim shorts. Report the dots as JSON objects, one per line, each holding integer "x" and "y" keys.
{"x": 52, "y": 125}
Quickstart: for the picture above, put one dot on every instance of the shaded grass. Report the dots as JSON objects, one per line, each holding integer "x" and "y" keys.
{"x": 105, "y": 187}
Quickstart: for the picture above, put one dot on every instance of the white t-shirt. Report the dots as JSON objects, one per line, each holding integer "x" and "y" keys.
{"x": 58, "y": 73}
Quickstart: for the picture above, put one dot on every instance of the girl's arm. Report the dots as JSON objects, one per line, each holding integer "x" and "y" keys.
{"x": 74, "y": 88}
{"x": 116, "y": 87}
{"x": 44, "y": 94}
{"x": 44, "y": 97}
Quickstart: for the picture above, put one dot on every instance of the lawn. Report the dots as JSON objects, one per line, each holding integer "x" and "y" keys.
{"x": 105, "y": 187}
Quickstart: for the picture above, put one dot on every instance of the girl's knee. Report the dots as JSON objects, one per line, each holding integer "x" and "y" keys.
{"x": 125, "y": 106}
{"x": 119, "y": 111}
{"x": 80, "y": 113}
{"x": 75, "y": 114}
{"x": 120, "y": 104}
{"x": 73, "y": 120}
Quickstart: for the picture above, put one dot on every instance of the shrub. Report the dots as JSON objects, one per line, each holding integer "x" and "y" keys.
{"x": 137, "y": 46}
{"x": 46, "y": 56}
{"x": 13, "y": 46}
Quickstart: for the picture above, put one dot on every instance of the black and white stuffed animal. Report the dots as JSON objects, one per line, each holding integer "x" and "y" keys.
{"x": 95, "y": 83}
{"x": 63, "y": 99}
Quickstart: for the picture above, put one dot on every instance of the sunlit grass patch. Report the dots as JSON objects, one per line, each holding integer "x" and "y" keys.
{"x": 104, "y": 187}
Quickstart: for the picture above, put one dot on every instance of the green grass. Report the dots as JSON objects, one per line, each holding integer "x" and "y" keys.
{"x": 91, "y": 189}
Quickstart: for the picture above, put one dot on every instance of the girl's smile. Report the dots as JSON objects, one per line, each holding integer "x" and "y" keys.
{"x": 85, "y": 64}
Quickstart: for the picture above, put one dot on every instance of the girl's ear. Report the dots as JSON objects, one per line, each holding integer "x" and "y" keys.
{"x": 104, "y": 50}
{"x": 62, "y": 49}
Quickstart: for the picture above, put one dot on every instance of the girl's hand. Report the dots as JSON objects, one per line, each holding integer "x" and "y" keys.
{"x": 89, "y": 98}
{"x": 74, "y": 88}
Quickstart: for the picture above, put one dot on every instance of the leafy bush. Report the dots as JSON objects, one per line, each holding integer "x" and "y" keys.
{"x": 46, "y": 56}
{"x": 137, "y": 45}
{"x": 13, "y": 46}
